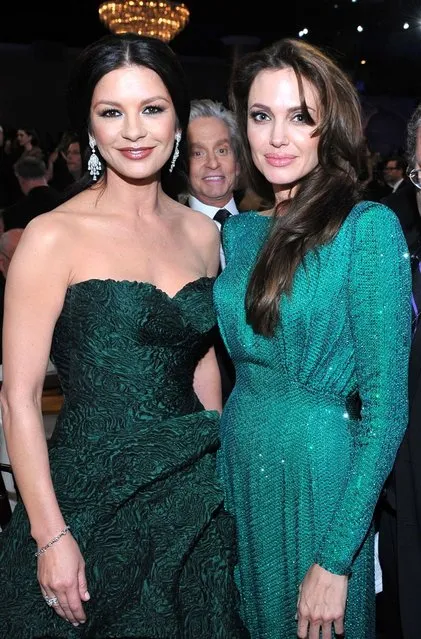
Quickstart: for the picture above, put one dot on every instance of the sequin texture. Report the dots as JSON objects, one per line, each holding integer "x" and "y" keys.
{"x": 301, "y": 465}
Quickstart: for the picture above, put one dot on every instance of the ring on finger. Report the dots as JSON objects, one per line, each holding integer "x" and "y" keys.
{"x": 51, "y": 601}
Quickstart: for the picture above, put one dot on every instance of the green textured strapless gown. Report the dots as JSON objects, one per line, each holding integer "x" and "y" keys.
{"x": 133, "y": 460}
{"x": 302, "y": 468}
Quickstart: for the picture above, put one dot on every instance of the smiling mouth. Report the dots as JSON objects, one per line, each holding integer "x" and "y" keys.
{"x": 280, "y": 160}
{"x": 136, "y": 153}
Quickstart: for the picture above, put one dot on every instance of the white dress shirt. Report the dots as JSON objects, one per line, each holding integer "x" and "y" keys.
{"x": 396, "y": 185}
{"x": 210, "y": 211}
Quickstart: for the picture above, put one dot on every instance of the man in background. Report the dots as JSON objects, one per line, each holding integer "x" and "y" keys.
{"x": 213, "y": 175}
{"x": 394, "y": 173}
{"x": 213, "y": 166}
{"x": 38, "y": 196}
{"x": 400, "y": 505}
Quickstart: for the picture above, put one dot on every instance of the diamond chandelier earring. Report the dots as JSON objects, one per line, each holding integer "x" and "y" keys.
{"x": 94, "y": 164}
{"x": 176, "y": 151}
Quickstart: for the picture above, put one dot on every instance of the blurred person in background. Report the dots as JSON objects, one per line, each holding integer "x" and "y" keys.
{"x": 394, "y": 173}
{"x": 65, "y": 162}
{"x": 8, "y": 244}
{"x": 28, "y": 142}
{"x": 9, "y": 187}
{"x": 73, "y": 157}
{"x": 400, "y": 503}
{"x": 38, "y": 196}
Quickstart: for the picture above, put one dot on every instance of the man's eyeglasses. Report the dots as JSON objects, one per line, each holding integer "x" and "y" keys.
{"x": 415, "y": 177}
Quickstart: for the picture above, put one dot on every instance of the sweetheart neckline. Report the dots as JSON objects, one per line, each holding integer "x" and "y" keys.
{"x": 142, "y": 283}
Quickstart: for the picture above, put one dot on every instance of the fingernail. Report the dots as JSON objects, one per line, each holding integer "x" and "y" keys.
{"x": 87, "y": 595}
{"x": 75, "y": 624}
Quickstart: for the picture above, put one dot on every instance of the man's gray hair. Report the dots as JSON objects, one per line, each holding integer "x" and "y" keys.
{"x": 30, "y": 168}
{"x": 206, "y": 108}
{"x": 414, "y": 125}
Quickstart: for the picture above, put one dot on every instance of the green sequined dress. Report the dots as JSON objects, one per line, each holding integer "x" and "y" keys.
{"x": 302, "y": 471}
{"x": 133, "y": 461}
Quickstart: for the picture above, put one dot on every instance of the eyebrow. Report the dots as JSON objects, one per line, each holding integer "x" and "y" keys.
{"x": 217, "y": 143}
{"x": 153, "y": 98}
{"x": 264, "y": 107}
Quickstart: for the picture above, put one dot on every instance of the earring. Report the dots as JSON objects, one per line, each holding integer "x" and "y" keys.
{"x": 94, "y": 164}
{"x": 176, "y": 151}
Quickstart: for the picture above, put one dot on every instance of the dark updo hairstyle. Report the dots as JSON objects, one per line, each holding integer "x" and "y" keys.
{"x": 113, "y": 52}
{"x": 325, "y": 196}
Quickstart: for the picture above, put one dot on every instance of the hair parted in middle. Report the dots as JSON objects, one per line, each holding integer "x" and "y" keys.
{"x": 325, "y": 195}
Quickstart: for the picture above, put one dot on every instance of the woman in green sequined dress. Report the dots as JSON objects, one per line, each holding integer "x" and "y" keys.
{"x": 314, "y": 307}
{"x": 118, "y": 282}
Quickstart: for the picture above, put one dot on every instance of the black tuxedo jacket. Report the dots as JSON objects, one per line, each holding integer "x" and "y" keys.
{"x": 403, "y": 490}
{"x": 404, "y": 203}
{"x": 40, "y": 199}
{"x": 405, "y": 182}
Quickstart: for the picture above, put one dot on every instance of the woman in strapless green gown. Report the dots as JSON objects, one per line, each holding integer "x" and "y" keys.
{"x": 314, "y": 307}
{"x": 123, "y": 510}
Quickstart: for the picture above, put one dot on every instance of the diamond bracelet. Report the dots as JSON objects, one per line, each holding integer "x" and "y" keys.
{"x": 53, "y": 541}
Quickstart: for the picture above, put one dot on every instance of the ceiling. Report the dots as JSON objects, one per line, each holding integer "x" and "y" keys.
{"x": 392, "y": 54}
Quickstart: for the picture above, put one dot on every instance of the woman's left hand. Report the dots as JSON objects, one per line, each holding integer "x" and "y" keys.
{"x": 321, "y": 603}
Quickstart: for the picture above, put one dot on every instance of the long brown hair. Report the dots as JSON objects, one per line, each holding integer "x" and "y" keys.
{"x": 324, "y": 196}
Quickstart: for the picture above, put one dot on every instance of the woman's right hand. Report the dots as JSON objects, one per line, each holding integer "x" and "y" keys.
{"x": 321, "y": 603}
{"x": 61, "y": 574}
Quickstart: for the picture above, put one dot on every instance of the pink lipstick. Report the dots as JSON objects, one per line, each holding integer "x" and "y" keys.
{"x": 279, "y": 160}
{"x": 133, "y": 153}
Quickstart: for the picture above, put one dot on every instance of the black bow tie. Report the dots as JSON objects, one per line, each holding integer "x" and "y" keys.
{"x": 221, "y": 216}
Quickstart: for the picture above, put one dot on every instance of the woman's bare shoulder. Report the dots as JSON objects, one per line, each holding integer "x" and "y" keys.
{"x": 65, "y": 217}
{"x": 49, "y": 225}
{"x": 50, "y": 231}
{"x": 200, "y": 222}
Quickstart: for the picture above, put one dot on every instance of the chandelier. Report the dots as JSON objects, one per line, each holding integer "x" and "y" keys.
{"x": 162, "y": 19}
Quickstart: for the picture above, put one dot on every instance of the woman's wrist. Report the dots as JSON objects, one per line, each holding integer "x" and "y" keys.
{"x": 44, "y": 531}
{"x": 52, "y": 541}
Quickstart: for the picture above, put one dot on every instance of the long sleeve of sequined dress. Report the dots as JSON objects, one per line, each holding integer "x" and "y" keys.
{"x": 380, "y": 326}
{"x": 311, "y": 429}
